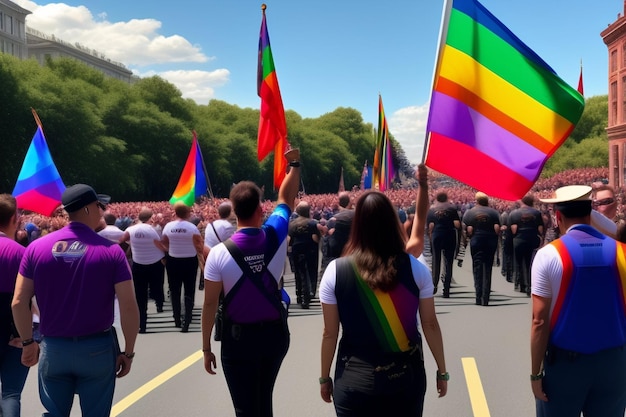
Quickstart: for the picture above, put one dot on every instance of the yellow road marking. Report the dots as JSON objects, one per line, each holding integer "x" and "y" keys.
{"x": 140, "y": 392}
{"x": 475, "y": 388}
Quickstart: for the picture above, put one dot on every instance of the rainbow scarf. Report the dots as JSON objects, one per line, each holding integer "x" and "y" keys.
{"x": 497, "y": 110}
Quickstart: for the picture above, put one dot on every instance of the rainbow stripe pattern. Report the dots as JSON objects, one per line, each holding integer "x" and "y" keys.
{"x": 497, "y": 110}
{"x": 193, "y": 181}
{"x": 392, "y": 315}
{"x": 39, "y": 186}
{"x": 272, "y": 135}
{"x": 383, "y": 155}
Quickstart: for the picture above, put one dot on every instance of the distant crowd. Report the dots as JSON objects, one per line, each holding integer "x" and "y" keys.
{"x": 323, "y": 206}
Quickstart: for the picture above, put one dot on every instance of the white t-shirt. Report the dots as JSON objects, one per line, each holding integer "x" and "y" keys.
{"x": 180, "y": 234}
{"x": 142, "y": 237}
{"x": 224, "y": 229}
{"x": 421, "y": 275}
{"x": 111, "y": 232}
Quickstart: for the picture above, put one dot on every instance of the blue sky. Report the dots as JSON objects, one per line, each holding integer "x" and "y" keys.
{"x": 328, "y": 53}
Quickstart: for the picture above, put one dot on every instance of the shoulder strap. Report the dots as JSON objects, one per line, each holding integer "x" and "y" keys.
{"x": 215, "y": 231}
{"x": 238, "y": 256}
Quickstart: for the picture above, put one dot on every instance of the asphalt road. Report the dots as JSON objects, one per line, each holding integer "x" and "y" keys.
{"x": 486, "y": 348}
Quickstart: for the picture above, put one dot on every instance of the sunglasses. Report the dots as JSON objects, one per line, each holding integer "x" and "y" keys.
{"x": 604, "y": 202}
{"x": 101, "y": 206}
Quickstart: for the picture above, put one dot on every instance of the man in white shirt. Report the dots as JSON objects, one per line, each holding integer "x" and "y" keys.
{"x": 218, "y": 231}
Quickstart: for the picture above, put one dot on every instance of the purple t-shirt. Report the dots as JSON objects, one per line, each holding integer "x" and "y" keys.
{"x": 10, "y": 257}
{"x": 74, "y": 272}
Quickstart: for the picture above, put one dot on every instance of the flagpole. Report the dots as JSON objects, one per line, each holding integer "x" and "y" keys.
{"x": 206, "y": 174}
{"x": 443, "y": 33}
{"x": 37, "y": 119}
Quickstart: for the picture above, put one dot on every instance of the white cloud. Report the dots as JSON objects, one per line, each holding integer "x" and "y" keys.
{"x": 197, "y": 85}
{"x": 136, "y": 43}
{"x": 408, "y": 127}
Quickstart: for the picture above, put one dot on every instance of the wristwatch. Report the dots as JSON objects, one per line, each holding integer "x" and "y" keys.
{"x": 443, "y": 376}
{"x": 128, "y": 355}
{"x": 27, "y": 342}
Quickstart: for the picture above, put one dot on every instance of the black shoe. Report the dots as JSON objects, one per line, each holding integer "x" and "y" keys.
{"x": 177, "y": 323}
{"x": 435, "y": 290}
{"x": 446, "y": 294}
{"x": 159, "y": 309}
{"x": 305, "y": 306}
{"x": 142, "y": 330}
{"x": 185, "y": 328}
{"x": 460, "y": 263}
{"x": 201, "y": 286}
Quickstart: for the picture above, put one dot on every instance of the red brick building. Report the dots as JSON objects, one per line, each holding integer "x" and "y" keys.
{"x": 614, "y": 36}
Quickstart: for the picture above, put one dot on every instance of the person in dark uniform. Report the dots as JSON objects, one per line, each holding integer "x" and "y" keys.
{"x": 526, "y": 225}
{"x": 578, "y": 333}
{"x": 482, "y": 226}
{"x": 304, "y": 238}
{"x": 443, "y": 225}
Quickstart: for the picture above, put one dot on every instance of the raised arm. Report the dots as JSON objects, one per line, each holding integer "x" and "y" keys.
{"x": 291, "y": 184}
{"x": 415, "y": 244}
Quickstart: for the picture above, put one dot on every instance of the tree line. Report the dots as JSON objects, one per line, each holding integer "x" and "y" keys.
{"x": 132, "y": 140}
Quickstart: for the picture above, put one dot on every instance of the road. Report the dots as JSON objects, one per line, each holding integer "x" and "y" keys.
{"x": 486, "y": 349}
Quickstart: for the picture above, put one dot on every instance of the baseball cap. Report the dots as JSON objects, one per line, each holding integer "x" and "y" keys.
{"x": 79, "y": 195}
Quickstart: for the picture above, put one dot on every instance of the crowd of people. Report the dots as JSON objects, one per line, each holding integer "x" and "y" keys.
{"x": 369, "y": 285}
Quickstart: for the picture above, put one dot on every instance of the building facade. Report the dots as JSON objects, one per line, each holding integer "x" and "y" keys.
{"x": 13, "y": 29}
{"x": 614, "y": 36}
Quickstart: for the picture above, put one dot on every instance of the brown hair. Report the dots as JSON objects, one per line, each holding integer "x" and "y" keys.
{"x": 376, "y": 239}
{"x": 245, "y": 198}
{"x": 8, "y": 207}
{"x": 182, "y": 210}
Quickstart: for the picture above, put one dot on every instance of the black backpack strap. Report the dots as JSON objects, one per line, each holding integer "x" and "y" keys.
{"x": 238, "y": 256}
{"x": 215, "y": 231}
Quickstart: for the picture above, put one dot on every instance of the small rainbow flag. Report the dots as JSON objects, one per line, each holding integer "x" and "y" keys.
{"x": 383, "y": 155}
{"x": 497, "y": 110}
{"x": 193, "y": 180}
{"x": 39, "y": 186}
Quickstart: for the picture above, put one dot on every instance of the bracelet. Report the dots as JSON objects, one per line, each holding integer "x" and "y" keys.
{"x": 295, "y": 164}
{"x": 537, "y": 377}
{"x": 443, "y": 376}
{"x": 27, "y": 342}
{"x": 324, "y": 380}
{"x": 128, "y": 355}
{"x": 206, "y": 350}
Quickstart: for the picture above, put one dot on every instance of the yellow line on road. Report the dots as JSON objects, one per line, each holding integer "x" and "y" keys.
{"x": 140, "y": 392}
{"x": 475, "y": 388}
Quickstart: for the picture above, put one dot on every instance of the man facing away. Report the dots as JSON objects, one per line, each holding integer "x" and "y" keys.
{"x": 76, "y": 275}
{"x": 578, "y": 333}
{"x": 338, "y": 230}
{"x": 443, "y": 225}
{"x": 12, "y": 373}
{"x": 247, "y": 268}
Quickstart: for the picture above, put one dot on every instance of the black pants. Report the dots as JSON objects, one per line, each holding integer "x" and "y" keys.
{"x": 144, "y": 277}
{"x": 181, "y": 274}
{"x": 305, "y": 264}
{"x": 524, "y": 249}
{"x": 443, "y": 247}
{"x": 361, "y": 391}
{"x": 483, "y": 250}
{"x": 251, "y": 358}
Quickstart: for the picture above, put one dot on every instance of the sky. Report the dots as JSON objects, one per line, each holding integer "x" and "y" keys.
{"x": 327, "y": 54}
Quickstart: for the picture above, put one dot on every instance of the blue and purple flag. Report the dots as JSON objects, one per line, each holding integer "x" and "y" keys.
{"x": 39, "y": 186}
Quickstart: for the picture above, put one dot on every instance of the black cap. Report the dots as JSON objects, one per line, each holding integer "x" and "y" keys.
{"x": 78, "y": 196}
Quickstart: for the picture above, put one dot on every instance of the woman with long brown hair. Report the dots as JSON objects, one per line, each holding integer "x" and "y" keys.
{"x": 376, "y": 291}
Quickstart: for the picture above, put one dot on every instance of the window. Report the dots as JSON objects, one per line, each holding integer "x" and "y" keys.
{"x": 613, "y": 66}
{"x": 613, "y": 104}
{"x": 1, "y": 21}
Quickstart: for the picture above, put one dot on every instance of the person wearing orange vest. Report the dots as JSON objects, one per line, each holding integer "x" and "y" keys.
{"x": 578, "y": 333}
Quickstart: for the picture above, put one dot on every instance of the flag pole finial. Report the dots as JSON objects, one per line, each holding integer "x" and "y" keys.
{"x": 263, "y": 7}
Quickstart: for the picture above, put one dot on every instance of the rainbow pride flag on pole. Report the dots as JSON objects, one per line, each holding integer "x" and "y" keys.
{"x": 383, "y": 155}
{"x": 193, "y": 181}
{"x": 39, "y": 186}
{"x": 272, "y": 124}
{"x": 497, "y": 110}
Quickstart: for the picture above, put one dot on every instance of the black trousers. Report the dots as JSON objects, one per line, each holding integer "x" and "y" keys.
{"x": 483, "y": 250}
{"x": 443, "y": 248}
{"x": 251, "y": 358}
{"x": 147, "y": 277}
{"x": 181, "y": 274}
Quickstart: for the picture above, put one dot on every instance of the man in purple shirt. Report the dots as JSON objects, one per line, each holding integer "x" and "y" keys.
{"x": 12, "y": 372}
{"x": 76, "y": 276}
{"x": 247, "y": 268}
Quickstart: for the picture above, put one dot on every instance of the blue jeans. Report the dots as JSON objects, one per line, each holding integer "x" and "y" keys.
{"x": 13, "y": 377}
{"x": 79, "y": 365}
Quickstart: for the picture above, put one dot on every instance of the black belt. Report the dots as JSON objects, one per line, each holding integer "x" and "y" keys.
{"x": 258, "y": 324}
{"x": 554, "y": 352}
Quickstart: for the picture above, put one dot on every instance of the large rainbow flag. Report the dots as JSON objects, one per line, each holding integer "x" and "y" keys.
{"x": 39, "y": 186}
{"x": 193, "y": 181}
{"x": 497, "y": 110}
{"x": 272, "y": 125}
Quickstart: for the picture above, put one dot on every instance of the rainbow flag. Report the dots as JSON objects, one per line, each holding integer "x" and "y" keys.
{"x": 383, "y": 155}
{"x": 272, "y": 133}
{"x": 39, "y": 186}
{"x": 193, "y": 180}
{"x": 497, "y": 110}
